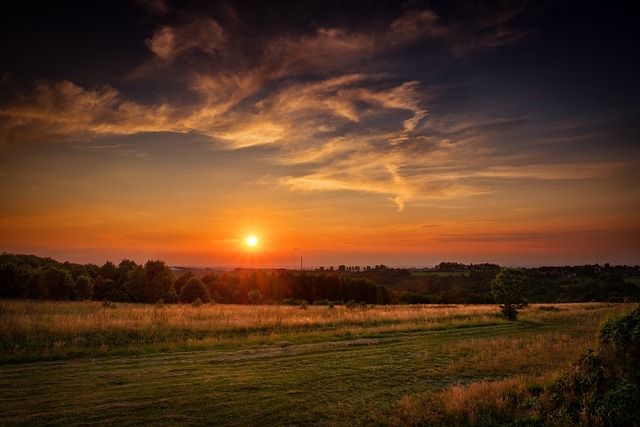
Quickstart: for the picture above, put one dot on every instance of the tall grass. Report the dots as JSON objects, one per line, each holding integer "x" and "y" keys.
{"x": 45, "y": 329}
{"x": 522, "y": 368}
{"x": 283, "y": 365}
{"x": 482, "y": 403}
{"x": 56, "y": 329}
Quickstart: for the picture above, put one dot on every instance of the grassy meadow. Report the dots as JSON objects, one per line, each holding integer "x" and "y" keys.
{"x": 65, "y": 363}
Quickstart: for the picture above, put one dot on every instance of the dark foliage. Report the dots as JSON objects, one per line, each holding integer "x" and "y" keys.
{"x": 509, "y": 288}
{"x": 29, "y": 276}
{"x": 194, "y": 290}
{"x": 604, "y": 385}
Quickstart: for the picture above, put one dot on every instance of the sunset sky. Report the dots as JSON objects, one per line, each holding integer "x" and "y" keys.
{"x": 340, "y": 132}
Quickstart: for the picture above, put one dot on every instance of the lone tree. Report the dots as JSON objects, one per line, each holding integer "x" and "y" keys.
{"x": 508, "y": 288}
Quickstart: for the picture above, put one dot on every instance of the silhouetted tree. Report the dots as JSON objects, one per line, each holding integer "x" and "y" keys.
{"x": 509, "y": 289}
{"x": 84, "y": 287}
{"x": 13, "y": 280}
{"x": 194, "y": 289}
{"x": 58, "y": 283}
{"x": 108, "y": 271}
{"x": 125, "y": 266}
{"x": 151, "y": 283}
{"x": 182, "y": 280}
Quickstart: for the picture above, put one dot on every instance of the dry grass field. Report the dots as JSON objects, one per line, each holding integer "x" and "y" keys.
{"x": 82, "y": 362}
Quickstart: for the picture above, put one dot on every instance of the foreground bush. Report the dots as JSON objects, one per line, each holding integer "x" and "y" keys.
{"x": 601, "y": 389}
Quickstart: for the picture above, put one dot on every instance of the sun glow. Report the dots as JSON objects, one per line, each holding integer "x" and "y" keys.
{"x": 251, "y": 241}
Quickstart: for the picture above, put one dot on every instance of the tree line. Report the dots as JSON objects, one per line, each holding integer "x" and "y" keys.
{"x": 455, "y": 283}
{"x": 33, "y": 277}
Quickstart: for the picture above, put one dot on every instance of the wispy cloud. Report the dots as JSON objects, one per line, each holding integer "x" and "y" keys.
{"x": 65, "y": 111}
{"x": 199, "y": 33}
{"x": 557, "y": 171}
{"x": 328, "y": 100}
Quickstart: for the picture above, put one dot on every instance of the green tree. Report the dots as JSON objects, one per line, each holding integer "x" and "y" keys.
{"x": 509, "y": 288}
{"x": 59, "y": 283}
{"x": 108, "y": 270}
{"x": 123, "y": 270}
{"x": 182, "y": 280}
{"x": 151, "y": 283}
{"x": 136, "y": 284}
{"x": 84, "y": 287}
{"x": 194, "y": 289}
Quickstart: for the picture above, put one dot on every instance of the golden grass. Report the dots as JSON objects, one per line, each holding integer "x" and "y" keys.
{"x": 43, "y": 327}
{"x": 398, "y": 365}
{"x": 477, "y": 403}
{"x": 523, "y": 366}
{"x": 83, "y": 316}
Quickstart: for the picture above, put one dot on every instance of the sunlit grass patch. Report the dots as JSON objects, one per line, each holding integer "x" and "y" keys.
{"x": 482, "y": 403}
{"x": 32, "y": 329}
{"x": 259, "y": 365}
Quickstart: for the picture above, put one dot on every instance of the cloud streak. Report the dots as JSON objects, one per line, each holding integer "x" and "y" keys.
{"x": 328, "y": 100}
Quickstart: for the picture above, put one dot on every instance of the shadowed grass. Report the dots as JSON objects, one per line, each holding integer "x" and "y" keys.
{"x": 278, "y": 365}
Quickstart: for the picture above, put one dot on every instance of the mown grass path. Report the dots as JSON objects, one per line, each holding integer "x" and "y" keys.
{"x": 355, "y": 380}
{"x": 342, "y": 382}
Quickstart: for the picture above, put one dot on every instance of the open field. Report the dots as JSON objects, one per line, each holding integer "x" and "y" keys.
{"x": 70, "y": 363}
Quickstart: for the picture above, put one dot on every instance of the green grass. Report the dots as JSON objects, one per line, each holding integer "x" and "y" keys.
{"x": 352, "y": 369}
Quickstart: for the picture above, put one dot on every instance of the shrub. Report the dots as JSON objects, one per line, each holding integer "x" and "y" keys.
{"x": 603, "y": 386}
{"x": 254, "y": 296}
{"x": 322, "y": 302}
{"x": 601, "y": 389}
{"x": 108, "y": 304}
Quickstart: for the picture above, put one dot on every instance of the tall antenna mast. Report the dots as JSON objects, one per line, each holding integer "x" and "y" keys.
{"x": 300, "y": 263}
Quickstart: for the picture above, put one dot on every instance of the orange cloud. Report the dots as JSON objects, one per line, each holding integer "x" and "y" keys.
{"x": 64, "y": 111}
{"x": 201, "y": 33}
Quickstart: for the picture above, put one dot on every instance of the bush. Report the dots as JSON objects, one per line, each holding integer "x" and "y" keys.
{"x": 509, "y": 312}
{"x": 254, "y": 296}
{"x": 601, "y": 389}
{"x": 108, "y": 304}
{"x": 603, "y": 386}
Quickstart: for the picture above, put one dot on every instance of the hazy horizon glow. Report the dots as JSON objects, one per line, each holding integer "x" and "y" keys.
{"x": 351, "y": 133}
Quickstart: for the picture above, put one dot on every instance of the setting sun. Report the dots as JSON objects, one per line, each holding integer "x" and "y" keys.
{"x": 337, "y": 142}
